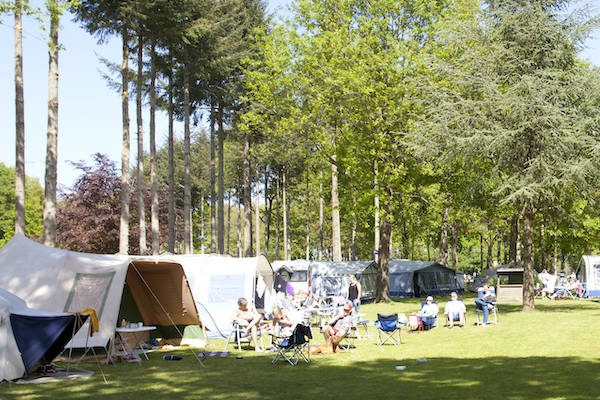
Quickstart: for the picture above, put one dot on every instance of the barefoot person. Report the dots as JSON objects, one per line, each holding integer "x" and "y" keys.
{"x": 249, "y": 320}
{"x": 337, "y": 328}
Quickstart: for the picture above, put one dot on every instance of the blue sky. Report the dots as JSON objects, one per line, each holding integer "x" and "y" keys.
{"x": 89, "y": 111}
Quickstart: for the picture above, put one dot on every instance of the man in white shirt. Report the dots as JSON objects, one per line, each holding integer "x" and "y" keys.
{"x": 455, "y": 311}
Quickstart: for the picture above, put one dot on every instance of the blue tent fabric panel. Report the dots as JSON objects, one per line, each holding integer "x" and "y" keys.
{"x": 42, "y": 337}
{"x": 401, "y": 284}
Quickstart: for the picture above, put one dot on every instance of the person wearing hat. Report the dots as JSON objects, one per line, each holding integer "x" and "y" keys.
{"x": 429, "y": 312}
{"x": 338, "y": 327}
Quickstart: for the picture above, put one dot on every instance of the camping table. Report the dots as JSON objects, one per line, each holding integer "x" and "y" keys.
{"x": 137, "y": 329}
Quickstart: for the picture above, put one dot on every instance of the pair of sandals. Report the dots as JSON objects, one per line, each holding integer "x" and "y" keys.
{"x": 46, "y": 369}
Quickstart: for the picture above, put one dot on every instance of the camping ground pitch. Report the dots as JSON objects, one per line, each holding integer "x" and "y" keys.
{"x": 550, "y": 353}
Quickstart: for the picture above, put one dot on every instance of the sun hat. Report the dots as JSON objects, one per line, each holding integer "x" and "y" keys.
{"x": 429, "y": 298}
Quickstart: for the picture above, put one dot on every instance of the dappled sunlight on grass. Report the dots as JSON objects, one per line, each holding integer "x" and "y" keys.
{"x": 550, "y": 353}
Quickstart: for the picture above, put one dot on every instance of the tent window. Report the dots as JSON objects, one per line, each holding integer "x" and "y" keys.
{"x": 89, "y": 291}
{"x": 597, "y": 268}
{"x": 226, "y": 288}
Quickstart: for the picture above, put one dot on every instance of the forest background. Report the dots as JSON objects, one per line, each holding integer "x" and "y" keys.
{"x": 431, "y": 130}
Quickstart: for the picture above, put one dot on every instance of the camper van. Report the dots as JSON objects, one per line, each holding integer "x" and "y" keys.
{"x": 300, "y": 273}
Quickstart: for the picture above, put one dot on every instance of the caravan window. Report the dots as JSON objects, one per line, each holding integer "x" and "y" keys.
{"x": 299, "y": 276}
{"x": 597, "y": 269}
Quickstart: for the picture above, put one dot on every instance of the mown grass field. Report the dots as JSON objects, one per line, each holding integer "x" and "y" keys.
{"x": 550, "y": 353}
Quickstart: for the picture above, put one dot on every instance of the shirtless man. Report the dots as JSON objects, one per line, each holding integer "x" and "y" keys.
{"x": 249, "y": 320}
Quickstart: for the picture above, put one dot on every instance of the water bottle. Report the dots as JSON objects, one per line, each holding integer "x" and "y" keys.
{"x": 172, "y": 358}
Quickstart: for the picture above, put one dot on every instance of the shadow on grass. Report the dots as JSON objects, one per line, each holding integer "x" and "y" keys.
{"x": 332, "y": 376}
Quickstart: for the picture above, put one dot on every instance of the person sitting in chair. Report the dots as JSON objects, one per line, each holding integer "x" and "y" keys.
{"x": 249, "y": 320}
{"x": 485, "y": 302}
{"x": 282, "y": 322}
{"x": 428, "y": 313}
{"x": 338, "y": 327}
{"x": 455, "y": 311}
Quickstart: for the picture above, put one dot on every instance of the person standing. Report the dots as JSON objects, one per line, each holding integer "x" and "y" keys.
{"x": 354, "y": 293}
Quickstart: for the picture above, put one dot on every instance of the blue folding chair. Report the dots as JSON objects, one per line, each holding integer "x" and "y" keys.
{"x": 388, "y": 327}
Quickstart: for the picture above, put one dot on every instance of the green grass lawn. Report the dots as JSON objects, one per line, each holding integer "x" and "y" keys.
{"x": 550, "y": 353}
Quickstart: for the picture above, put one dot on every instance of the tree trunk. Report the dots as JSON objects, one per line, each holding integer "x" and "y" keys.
{"x": 307, "y": 217}
{"x": 221, "y": 186}
{"x": 514, "y": 233}
{"x": 481, "y": 251}
{"x": 239, "y": 224}
{"x": 499, "y": 252}
{"x": 528, "y": 276}
{"x": 543, "y": 254}
{"x": 19, "y": 124}
{"x": 154, "y": 223}
{"x": 286, "y": 255}
{"x": 49, "y": 233}
{"x": 187, "y": 190}
{"x": 336, "y": 237}
{"x": 268, "y": 205}
{"x": 213, "y": 202}
{"x": 124, "y": 221}
{"x": 228, "y": 218}
{"x": 555, "y": 256}
{"x": 321, "y": 216}
{"x": 383, "y": 272}
{"x": 428, "y": 249}
{"x": 202, "y": 226}
{"x": 140, "y": 147}
{"x": 376, "y": 223}
{"x": 354, "y": 226}
{"x": 405, "y": 241}
{"x": 444, "y": 238}
{"x": 277, "y": 221}
{"x": 247, "y": 199}
{"x": 257, "y": 215}
{"x": 171, "y": 240}
{"x": 490, "y": 252}
{"x": 454, "y": 245}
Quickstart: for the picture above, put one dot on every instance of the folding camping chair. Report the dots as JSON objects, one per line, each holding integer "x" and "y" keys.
{"x": 294, "y": 347}
{"x": 492, "y": 308}
{"x": 425, "y": 322}
{"x": 388, "y": 326}
{"x": 237, "y": 336}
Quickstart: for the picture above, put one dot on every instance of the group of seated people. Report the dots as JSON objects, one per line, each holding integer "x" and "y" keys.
{"x": 455, "y": 309}
{"x": 336, "y": 328}
{"x": 554, "y": 287}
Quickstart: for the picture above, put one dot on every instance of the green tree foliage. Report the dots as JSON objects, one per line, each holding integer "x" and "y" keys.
{"x": 520, "y": 104}
{"x": 34, "y": 195}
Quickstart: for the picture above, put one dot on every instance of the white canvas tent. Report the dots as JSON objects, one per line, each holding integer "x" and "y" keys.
{"x": 588, "y": 273}
{"x": 217, "y": 282}
{"x": 29, "y": 336}
{"x": 167, "y": 289}
{"x": 56, "y": 280}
